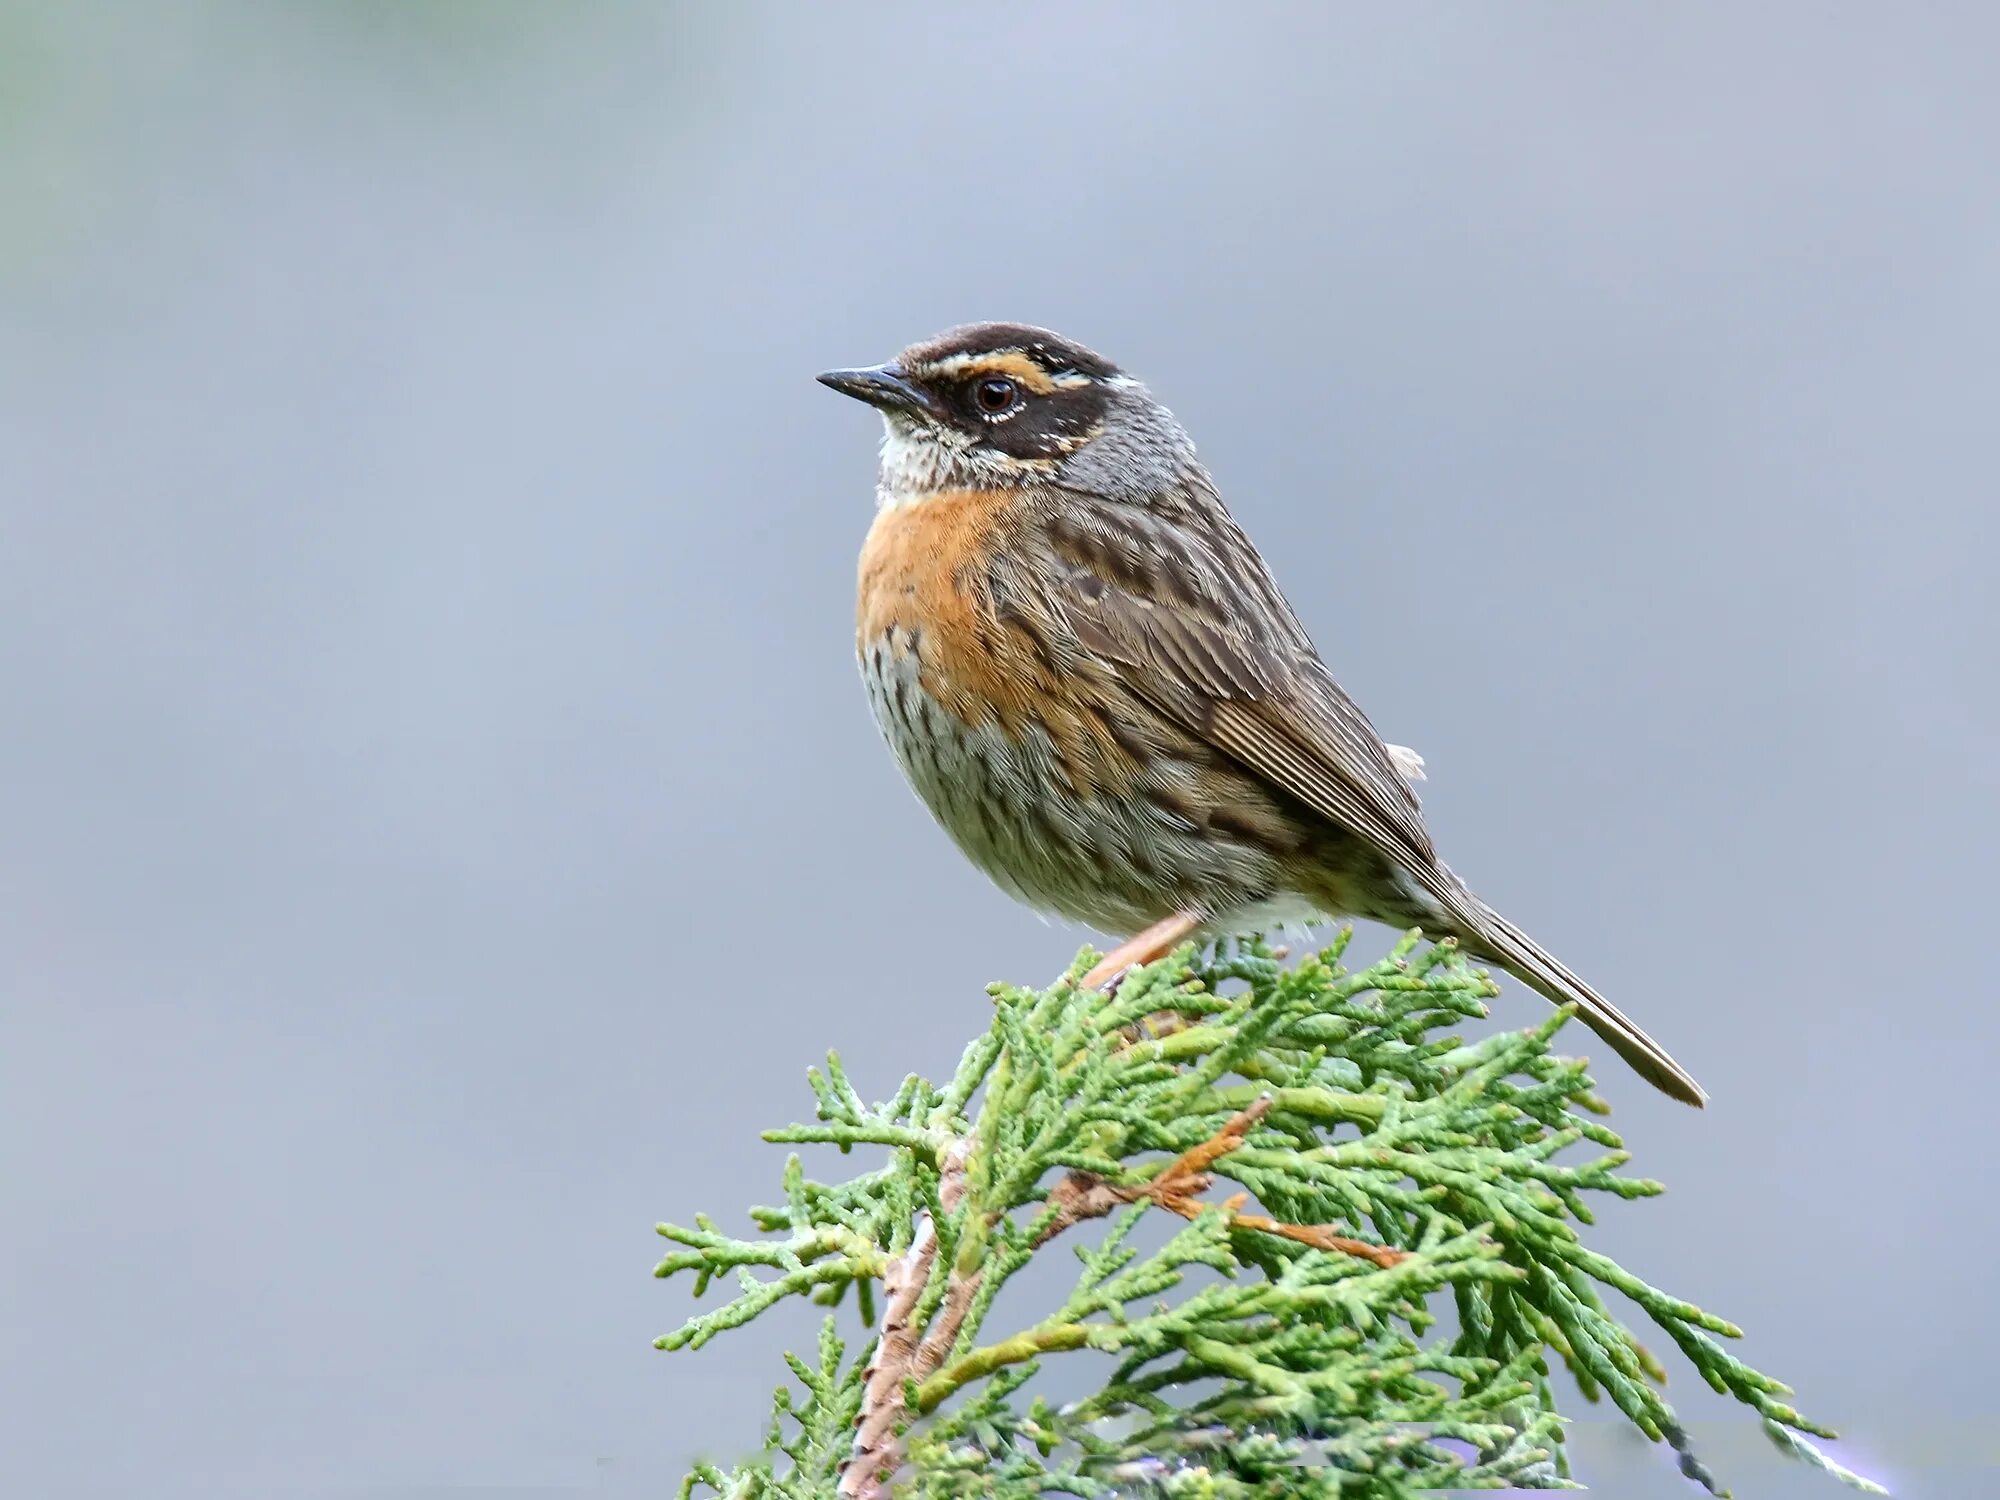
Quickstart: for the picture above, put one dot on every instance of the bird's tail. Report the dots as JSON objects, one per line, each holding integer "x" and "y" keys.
{"x": 1487, "y": 935}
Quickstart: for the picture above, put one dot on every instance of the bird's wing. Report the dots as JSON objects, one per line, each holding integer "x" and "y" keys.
{"x": 1184, "y": 612}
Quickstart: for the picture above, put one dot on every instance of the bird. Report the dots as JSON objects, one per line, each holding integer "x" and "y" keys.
{"x": 1089, "y": 676}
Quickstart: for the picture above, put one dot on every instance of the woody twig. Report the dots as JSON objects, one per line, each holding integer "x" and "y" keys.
{"x": 1178, "y": 1189}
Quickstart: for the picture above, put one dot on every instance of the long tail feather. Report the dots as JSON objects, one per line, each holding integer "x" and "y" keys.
{"x": 1492, "y": 937}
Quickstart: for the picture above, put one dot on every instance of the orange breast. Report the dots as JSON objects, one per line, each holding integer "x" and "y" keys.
{"x": 924, "y": 589}
{"x": 923, "y": 586}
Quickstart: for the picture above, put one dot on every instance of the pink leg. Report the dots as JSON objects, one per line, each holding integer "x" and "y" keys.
{"x": 1155, "y": 943}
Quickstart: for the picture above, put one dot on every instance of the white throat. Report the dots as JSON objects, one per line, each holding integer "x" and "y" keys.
{"x": 920, "y": 460}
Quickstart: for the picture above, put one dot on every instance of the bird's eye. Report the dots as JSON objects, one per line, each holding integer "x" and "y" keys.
{"x": 995, "y": 394}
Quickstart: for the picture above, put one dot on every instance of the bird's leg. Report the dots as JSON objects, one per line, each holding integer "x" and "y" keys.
{"x": 1150, "y": 946}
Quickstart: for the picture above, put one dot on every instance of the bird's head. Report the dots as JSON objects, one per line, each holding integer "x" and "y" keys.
{"x": 1006, "y": 405}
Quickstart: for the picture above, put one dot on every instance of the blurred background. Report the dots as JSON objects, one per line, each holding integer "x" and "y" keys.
{"x": 439, "y": 820}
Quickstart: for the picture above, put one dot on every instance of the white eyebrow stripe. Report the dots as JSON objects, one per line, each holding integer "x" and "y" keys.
{"x": 1017, "y": 364}
{"x": 951, "y": 364}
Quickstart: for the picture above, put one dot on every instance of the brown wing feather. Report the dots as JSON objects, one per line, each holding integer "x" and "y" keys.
{"x": 1184, "y": 610}
{"x": 1176, "y": 603}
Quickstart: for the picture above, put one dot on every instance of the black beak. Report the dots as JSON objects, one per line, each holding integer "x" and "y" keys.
{"x": 884, "y": 386}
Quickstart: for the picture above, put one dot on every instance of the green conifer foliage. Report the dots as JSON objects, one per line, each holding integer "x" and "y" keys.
{"x": 1397, "y": 1256}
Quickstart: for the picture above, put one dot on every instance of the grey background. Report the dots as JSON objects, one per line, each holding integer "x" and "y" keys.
{"x": 434, "y": 787}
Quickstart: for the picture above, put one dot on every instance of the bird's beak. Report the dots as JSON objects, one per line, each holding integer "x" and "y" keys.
{"x": 883, "y": 386}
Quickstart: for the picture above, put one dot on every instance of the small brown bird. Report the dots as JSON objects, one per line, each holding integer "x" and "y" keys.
{"x": 1089, "y": 676}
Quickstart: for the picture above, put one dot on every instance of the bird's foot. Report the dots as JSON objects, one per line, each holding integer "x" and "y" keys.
{"x": 1147, "y": 947}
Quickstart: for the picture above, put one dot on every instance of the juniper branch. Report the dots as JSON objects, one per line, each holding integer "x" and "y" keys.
{"x": 1381, "y": 1172}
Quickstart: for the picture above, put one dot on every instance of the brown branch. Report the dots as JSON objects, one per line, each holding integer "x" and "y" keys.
{"x": 905, "y": 1355}
{"x": 1084, "y": 1195}
{"x": 1314, "y": 1236}
{"x": 898, "y": 1357}
{"x": 1079, "y": 1196}
{"x": 1196, "y": 1160}
{"x": 958, "y": 1296}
